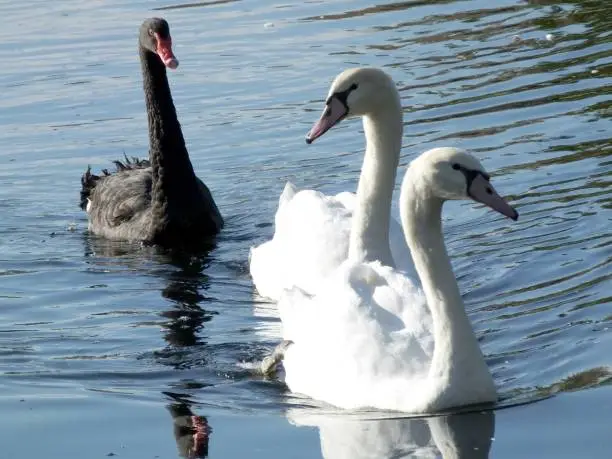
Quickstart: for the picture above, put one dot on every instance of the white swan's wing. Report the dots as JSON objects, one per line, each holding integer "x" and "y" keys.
{"x": 310, "y": 240}
{"x": 360, "y": 340}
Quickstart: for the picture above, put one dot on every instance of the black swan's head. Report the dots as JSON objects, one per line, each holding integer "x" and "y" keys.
{"x": 155, "y": 37}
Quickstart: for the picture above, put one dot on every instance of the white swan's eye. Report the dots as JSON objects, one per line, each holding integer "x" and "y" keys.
{"x": 151, "y": 33}
{"x": 353, "y": 87}
{"x": 456, "y": 166}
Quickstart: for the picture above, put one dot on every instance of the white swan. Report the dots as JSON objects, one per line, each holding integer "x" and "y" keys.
{"x": 365, "y": 338}
{"x": 314, "y": 233}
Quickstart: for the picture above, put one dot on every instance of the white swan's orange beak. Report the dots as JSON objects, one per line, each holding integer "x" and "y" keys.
{"x": 164, "y": 51}
{"x": 482, "y": 191}
{"x": 334, "y": 112}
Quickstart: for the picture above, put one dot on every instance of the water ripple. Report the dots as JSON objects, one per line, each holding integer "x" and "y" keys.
{"x": 524, "y": 85}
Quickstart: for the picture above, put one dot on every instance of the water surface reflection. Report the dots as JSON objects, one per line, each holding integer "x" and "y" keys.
{"x": 184, "y": 288}
{"x": 458, "y": 436}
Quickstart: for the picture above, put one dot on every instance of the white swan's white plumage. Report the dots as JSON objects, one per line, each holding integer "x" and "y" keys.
{"x": 368, "y": 336}
{"x": 311, "y": 239}
{"x": 315, "y": 233}
{"x": 367, "y": 327}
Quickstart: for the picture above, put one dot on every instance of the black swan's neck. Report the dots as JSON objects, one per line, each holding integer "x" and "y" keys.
{"x": 173, "y": 173}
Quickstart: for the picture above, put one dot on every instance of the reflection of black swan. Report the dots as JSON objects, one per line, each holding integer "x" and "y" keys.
{"x": 190, "y": 431}
{"x": 187, "y": 315}
{"x": 159, "y": 200}
{"x": 185, "y": 311}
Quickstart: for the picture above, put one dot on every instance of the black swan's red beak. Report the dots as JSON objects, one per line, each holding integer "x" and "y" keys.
{"x": 164, "y": 51}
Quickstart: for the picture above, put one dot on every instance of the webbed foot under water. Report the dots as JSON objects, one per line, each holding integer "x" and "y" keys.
{"x": 270, "y": 364}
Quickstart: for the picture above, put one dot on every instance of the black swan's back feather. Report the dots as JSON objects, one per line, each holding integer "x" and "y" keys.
{"x": 131, "y": 163}
{"x": 89, "y": 180}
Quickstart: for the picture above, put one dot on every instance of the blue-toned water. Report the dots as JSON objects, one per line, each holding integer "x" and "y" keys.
{"x": 108, "y": 349}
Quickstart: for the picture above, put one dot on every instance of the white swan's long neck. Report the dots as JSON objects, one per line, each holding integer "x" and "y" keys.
{"x": 457, "y": 360}
{"x": 370, "y": 228}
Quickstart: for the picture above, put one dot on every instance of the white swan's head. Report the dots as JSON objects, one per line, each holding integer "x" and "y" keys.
{"x": 451, "y": 173}
{"x": 355, "y": 92}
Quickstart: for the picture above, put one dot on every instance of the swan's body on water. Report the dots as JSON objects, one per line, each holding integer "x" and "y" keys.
{"x": 315, "y": 233}
{"x": 159, "y": 200}
{"x": 369, "y": 336}
{"x": 312, "y": 234}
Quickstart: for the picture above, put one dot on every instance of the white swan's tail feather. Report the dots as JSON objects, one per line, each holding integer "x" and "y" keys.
{"x": 310, "y": 240}
{"x": 287, "y": 195}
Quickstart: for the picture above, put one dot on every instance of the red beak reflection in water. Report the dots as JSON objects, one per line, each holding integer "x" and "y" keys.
{"x": 201, "y": 430}
{"x": 191, "y": 432}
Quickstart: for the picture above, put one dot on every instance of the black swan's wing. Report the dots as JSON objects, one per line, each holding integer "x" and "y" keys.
{"x": 120, "y": 203}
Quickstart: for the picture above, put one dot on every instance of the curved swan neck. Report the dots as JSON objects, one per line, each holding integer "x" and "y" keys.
{"x": 172, "y": 169}
{"x": 370, "y": 228}
{"x": 457, "y": 355}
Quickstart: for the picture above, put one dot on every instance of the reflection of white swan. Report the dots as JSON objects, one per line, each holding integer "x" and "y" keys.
{"x": 459, "y": 436}
{"x": 314, "y": 233}
{"x": 365, "y": 338}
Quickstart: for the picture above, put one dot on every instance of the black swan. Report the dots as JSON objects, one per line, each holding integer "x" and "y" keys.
{"x": 159, "y": 200}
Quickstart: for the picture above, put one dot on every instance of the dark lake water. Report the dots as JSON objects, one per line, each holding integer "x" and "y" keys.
{"x": 107, "y": 349}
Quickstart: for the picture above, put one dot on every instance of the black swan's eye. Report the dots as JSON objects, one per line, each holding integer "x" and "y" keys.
{"x": 456, "y": 166}
{"x": 151, "y": 33}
